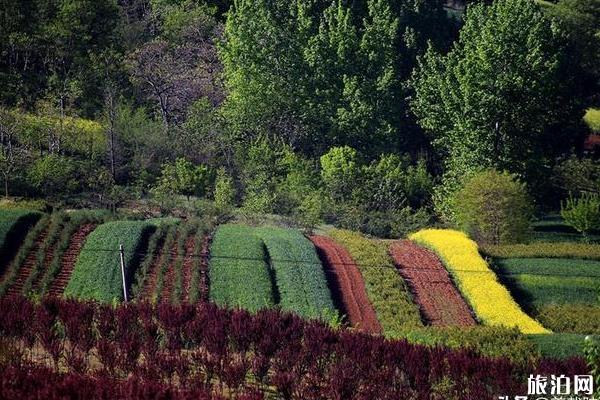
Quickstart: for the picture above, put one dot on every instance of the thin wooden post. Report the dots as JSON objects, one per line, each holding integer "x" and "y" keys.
{"x": 122, "y": 258}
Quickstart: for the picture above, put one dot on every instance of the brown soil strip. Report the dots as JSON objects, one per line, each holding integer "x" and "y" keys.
{"x": 347, "y": 284}
{"x": 204, "y": 268}
{"x": 69, "y": 258}
{"x": 169, "y": 277}
{"x": 28, "y": 265}
{"x": 439, "y": 300}
{"x": 187, "y": 265}
{"x": 151, "y": 279}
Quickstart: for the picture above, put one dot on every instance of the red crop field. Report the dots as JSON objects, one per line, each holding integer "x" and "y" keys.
{"x": 439, "y": 300}
{"x": 347, "y": 284}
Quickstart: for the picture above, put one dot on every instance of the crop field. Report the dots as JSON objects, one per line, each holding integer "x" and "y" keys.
{"x": 97, "y": 272}
{"x": 14, "y": 225}
{"x": 346, "y": 284}
{"x": 489, "y": 299}
{"x": 301, "y": 283}
{"x": 440, "y": 302}
{"x": 387, "y": 291}
{"x": 563, "y": 294}
{"x": 239, "y": 274}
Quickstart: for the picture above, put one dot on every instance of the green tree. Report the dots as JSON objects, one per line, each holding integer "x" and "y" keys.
{"x": 582, "y": 213}
{"x": 185, "y": 178}
{"x": 224, "y": 191}
{"x": 321, "y": 74}
{"x": 340, "y": 171}
{"x": 503, "y": 97}
{"x": 493, "y": 208}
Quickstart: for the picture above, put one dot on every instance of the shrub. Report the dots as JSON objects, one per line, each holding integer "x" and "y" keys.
{"x": 301, "y": 282}
{"x": 571, "y": 318}
{"x": 224, "y": 191}
{"x": 544, "y": 250}
{"x": 582, "y": 213}
{"x": 340, "y": 172}
{"x": 493, "y": 207}
{"x": 479, "y": 285}
{"x": 578, "y": 175}
{"x": 14, "y": 225}
{"x": 239, "y": 274}
{"x": 97, "y": 272}
{"x": 386, "y": 289}
{"x": 592, "y": 119}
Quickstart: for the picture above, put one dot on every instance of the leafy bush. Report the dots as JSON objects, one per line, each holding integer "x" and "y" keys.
{"x": 479, "y": 285}
{"x": 537, "y": 281}
{"x": 386, "y": 289}
{"x": 493, "y": 207}
{"x": 14, "y": 225}
{"x": 97, "y": 272}
{"x": 301, "y": 282}
{"x": 544, "y": 250}
{"x": 340, "y": 172}
{"x": 582, "y": 213}
{"x": 592, "y": 119}
{"x": 577, "y": 175}
{"x": 571, "y": 318}
{"x": 185, "y": 178}
{"x": 239, "y": 274}
{"x": 224, "y": 191}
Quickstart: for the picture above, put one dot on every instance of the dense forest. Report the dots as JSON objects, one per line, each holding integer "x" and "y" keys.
{"x": 370, "y": 114}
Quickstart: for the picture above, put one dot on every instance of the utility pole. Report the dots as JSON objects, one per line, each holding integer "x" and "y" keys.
{"x": 122, "y": 259}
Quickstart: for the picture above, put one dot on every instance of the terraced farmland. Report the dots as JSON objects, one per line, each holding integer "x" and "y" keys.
{"x": 97, "y": 273}
{"x": 440, "y": 302}
{"x": 239, "y": 274}
{"x": 347, "y": 284}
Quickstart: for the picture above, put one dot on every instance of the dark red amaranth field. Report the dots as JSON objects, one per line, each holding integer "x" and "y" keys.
{"x": 347, "y": 284}
{"x": 187, "y": 265}
{"x": 439, "y": 300}
{"x": 69, "y": 258}
{"x": 28, "y": 265}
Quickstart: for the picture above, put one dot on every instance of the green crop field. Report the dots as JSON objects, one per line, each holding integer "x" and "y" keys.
{"x": 300, "y": 278}
{"x": 239, "y": 274}
{"x": 97, "y": 273}
{"x": 563, "y": 294}
{"x": 14, "y": 225}
{"x": 386, "y": 289}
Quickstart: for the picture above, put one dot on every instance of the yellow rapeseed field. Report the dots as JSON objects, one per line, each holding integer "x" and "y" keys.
{"x": 490, "y": 300}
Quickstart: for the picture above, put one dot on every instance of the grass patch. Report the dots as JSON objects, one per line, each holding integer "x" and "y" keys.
{"x": 490, "y": 300}
{"x": 559, "y": 345}
{"x": 386, "y": 289}
{"x": 571, "y": 318}
{"x": 97, "y": 273}
{"x": 298, "y": 272}
{"x": 239, "y": 274}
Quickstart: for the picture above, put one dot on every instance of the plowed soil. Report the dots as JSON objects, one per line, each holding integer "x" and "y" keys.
{"x": 439, "y": 300}
{"x": 152, "y": 278}
{"x": 169, "y": 277}
{"x": 28, "y": 265}
{"x": 204, "y": 268}
{"x": 187, "y": 265}
{"x": 69, "y": 258}
{"x": 347, "y": 284}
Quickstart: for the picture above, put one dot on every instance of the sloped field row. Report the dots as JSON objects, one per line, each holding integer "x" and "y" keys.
{"x": 379, "y": 287}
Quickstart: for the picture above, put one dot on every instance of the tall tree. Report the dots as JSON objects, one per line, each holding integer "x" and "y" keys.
{"x": 319, "y": 73}
{"x": 504, "y": 96}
